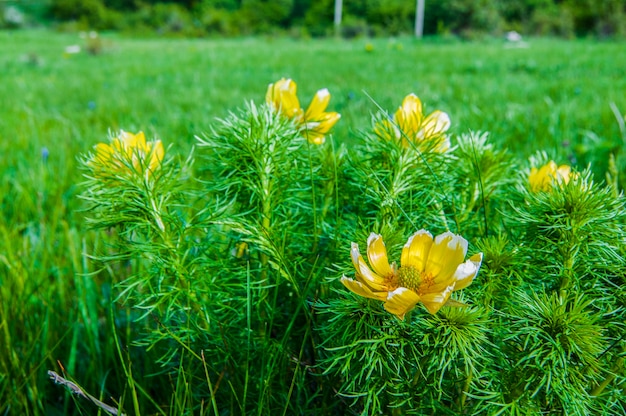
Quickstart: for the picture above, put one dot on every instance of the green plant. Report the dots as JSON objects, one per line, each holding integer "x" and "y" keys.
{"x": 231, "y": 272}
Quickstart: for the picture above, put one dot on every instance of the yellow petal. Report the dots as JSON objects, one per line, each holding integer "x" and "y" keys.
{"x": 126, "y": 137}
{"x": 466, "y": 272}
{"x": 387, "y": 130}
{"x": 318, "y": 105}
{"x": 282, "y": 96}
{"x": 411, "y": 104}
{"x": 289, "y": 105}
{"x": 140, "y": 142}
{"x": 400, "y": 301}
{"x": 272, "y": 96}
{"x": 314, "y": 131}
{"x": 447, "y": 252}
{"x": 131, "y": 146}
{"x": 355, "y": 255}
{"x": 103, "y": 153}
{"x": 362, "y": 290}
{"x": 563, "y": 174}
{"x": 327, "y": 121}
{"x": 130, "y": 140}
{"x": 117, "y": 145}
{"x": 377, "y": 255}
{"x": 438, "y": 285}
{"x": 415, "y": 251}
{"x": 434, "y": 301}
{"x": 444, "y": 145}
{"x": 156, "y": 154}
{"x": 533, "y": 180}
{"x": 409, "y": 115}
{"x": 541, "y": 179}
{"x": 435, "y": 124}
{"x": 363, "y": 273}
{"x": 287, "y": 85}
{"x": 314, "y": 137}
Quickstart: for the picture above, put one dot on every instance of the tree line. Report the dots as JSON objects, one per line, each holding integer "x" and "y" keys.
{"x": 468, "y": 18}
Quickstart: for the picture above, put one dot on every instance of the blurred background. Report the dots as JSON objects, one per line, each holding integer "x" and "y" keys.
{"x": 309, "y": 18}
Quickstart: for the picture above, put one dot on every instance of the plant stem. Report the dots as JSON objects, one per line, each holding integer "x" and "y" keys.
{"x": 609, "y": 378}
{"x": 468, "y": 382}
{"x": 566, "y": 281}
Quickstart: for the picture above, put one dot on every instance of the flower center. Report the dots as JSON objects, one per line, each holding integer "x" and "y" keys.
{"x": 413, "y": 279}
{"x": 409, "y": 277}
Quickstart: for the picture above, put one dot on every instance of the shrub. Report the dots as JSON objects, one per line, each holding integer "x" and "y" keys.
{"x": 319, "y": 18}
{"x": 12, "y": 18}
{"x": 263, "y": 15}
{"x": 353, "y": 27}
{"x": 89, "y": 13}
{"x": 392, "y": 17}
{"x": 165, "y": 18}
{"x": 459, "y": 16}
{"x": 552, "y": 21}
{"x": 612, "y": 18}
{"x": 218, "y": 21}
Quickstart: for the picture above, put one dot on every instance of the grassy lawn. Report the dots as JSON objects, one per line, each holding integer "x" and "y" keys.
{"x": 550, "y": 92}
{"x": 552, "y": 95}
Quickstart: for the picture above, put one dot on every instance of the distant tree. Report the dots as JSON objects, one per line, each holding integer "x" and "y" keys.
{"x": 122, "y": 5}
{"x": 319, "y": 17}
{"x": 91, "y": 13}
{"x": 188, "y": 4}
{"x": 357, "y": 8}
{"x": 391, "y": 16}
{"x": 263, "y": 14}
{"x": 461, "y": 16}
{"x": 359, "y": 17}
{"x": 601, "y": 17}
{"x": 221, "y": 4}
{"x": 300, "y": 7}
{"x": 521, "y": 11}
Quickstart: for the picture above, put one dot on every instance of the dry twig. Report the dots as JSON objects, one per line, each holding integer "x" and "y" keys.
{"x": 77, "y": 390}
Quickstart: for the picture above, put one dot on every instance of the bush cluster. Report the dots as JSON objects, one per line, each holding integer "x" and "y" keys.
{"x": 467, "y": 18}
{"x": 276, "y": 271}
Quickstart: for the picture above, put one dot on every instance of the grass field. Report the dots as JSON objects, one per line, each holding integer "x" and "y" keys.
{"x": 553, "y": 95}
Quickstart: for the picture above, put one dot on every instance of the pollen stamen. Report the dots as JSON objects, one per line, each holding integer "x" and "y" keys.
{"x": 427, "y": 281}
{"x": 410, "y": 277}
{"x": 417, "y": 281}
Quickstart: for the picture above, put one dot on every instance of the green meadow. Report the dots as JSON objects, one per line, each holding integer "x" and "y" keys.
{"x": 57, "y": 305}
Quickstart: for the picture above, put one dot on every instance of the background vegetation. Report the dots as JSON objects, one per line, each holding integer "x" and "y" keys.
{"x": 315, "y": 18}
{"x": 554, "y": 95}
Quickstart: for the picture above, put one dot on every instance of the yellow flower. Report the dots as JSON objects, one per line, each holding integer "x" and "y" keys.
{"x": 544, "y": 178}
{"x": 282, "y": 96}
{"x": 128, "y": 149}
{"x": 240, "y": 250}
{"x": 410, "y": 124}
{"x": 315, "y": 122}
{"x": 431, "y": 269}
